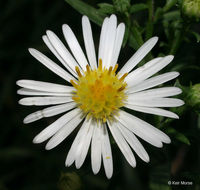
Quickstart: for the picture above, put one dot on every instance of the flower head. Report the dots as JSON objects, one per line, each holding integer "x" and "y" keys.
{"x": 97, "y": 94}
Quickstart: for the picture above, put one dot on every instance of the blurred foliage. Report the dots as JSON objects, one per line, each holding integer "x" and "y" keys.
{"x": 26, "y": 166}
{"x": 69, "y": 181}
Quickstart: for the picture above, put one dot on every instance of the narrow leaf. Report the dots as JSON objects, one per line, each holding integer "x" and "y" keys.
{"x": 138, "y": 7}
{"x": 197, "y": 36}
{"x": 94, "y": 14}
{"x": 179, "y": 136}
{"x": 106, "y": 8}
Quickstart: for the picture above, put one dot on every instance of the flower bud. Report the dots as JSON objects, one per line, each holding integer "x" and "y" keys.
{"x": 191, "y": 9}
{"x": 121, "y": 6}
{"x": 194, "y": 96}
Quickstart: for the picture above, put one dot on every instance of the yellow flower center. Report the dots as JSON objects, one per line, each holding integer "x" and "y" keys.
{"x": 99, "y": 93}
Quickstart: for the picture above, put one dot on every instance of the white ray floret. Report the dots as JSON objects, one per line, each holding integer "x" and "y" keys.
{"x": 51, "y": 65}
{"x": 156, "y": 93}
{"x": 49, "y": 112}
{"x": 155, "y": 102}
{"x": 106, "y": 152}
{"x": 123, "y": 145}
{"x": 154, "y": 81}
{"x": 44, "y": 101}
{"x": 143, "y": 68}
{"x": 96, "y": 149}
{"x": 63, "y": 133}
{"x": 71, "y": 156}
{"x": 131, "y": 81}
{"x": 44, "y": 86}
{"x": 134, "y": 142}
{"x": 83, "y": 146}
{"x": 118, "y": 43}
{"x": 55, "y": 126}
{"x": 109, "y": 41}
{"x": 155, "y": 111}
{"x": 143, "y": 129}
{"x": 89, "y": 43}
{"x": 29, "y": 92}
{"x": 60, "y": 51}
{"x": 103, "y": 39}
{"x": 74, "y": 46}
{"x": 139, "y": 55}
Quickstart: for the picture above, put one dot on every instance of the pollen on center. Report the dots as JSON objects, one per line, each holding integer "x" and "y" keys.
{"x": 99, "y": 93}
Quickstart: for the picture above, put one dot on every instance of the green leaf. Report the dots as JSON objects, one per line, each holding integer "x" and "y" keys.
{"x": 169, "y": 5}
{"x": 126, "y": 36}
{"x": 138, "y": 7}
{"x": 149, "y": 25}
{"x": 158, "y": 14}
{"x": 106, "y": 8}
{"x": 173, "y": 15}
{"x": 95, "y": 15}
{"x": 179, "y": 136}
{"x": 133, "y": 43}
{"x": 197, "y": 36}
{"x": 137, "y": 34}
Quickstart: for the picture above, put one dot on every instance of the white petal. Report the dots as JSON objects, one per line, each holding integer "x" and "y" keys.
{"x": 156, "y": 102}
{"x": 149, "y": 72}
{"x": 134, "y": 143}
{"x": 51, "y": 65}
{"x": 89, "y": 43}
{"x": 55, "y": 126}
{"x": 154, "y": 81}
{"x": 43, "y": 101}
{"x": 63, "y": 133}
{"x": 74, "y": 46}
{"x": 58, "y": 52}
{"x": 44, "y": 86}
{"x": 143, "y": 68}
{"x": 106, "y": 153}
{"x": 79, "y": 138}
{"x": 155, "y": 111}
{"x": 110, "y": 41}
{"x": 103, "y": 39}
{"x": 29, "y": 92}
{"x": 48, "y": 112}
{"x": 139, "y": 55}
{"x": 96, "y": 149}
{"x": 70, "y": 62}
{"x": 143, "y": 129}
{"x": 83, "y": 146}
{"x": 156, "y": 93}
{"x": 118, "y": 43}
{"x": 122, "y": 144}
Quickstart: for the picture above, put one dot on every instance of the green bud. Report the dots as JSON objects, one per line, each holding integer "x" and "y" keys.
{"x": 122, "y": 6}
{"x": 69, "y": 181}
{"x": 191, "y": 9}
{"x": 193, "y": 98}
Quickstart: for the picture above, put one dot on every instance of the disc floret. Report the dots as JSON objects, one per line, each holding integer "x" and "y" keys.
{"x": 100, "y": 92}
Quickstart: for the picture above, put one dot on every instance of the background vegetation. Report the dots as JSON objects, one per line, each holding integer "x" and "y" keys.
{"x": 26, "y": 166}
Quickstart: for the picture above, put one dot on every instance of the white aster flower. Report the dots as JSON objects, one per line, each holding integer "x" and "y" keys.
{"x": 96, "y": 95}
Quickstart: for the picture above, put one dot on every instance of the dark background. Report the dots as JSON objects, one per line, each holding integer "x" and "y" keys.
{"x": 26, "y": 166}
